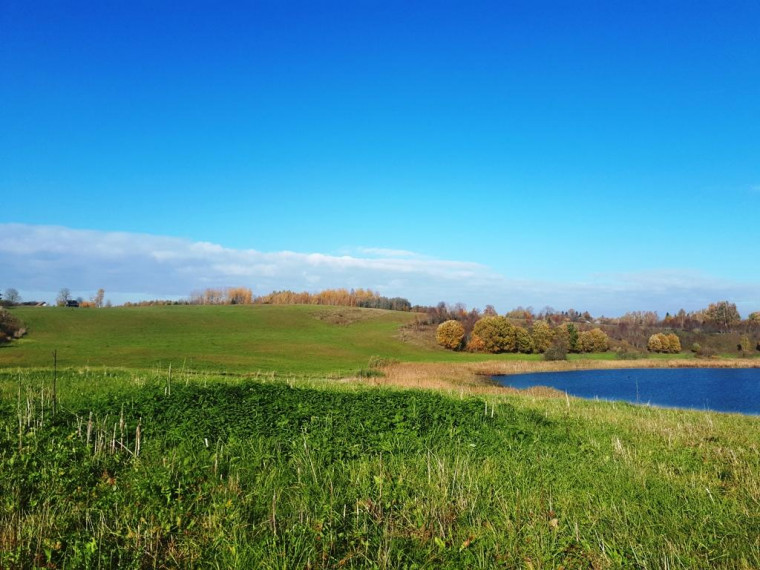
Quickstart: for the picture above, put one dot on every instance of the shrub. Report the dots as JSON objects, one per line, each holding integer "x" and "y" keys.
{"x": 10, "y": 327}
{"x": 450, "y": 334}
{"x": 706, "y": 352}
{"x": 556, "y": 351}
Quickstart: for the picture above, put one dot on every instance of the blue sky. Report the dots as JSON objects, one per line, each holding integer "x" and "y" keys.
{"x": 604, "y": 156}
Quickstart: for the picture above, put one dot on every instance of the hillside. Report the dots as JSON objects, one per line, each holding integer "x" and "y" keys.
{"x": 303, "y": 339}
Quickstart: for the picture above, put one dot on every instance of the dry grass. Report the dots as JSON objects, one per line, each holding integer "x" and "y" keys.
{"x": 474, "y": 377}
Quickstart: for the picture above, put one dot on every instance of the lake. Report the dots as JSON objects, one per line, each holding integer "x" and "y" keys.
{"x": 718, "y": 389}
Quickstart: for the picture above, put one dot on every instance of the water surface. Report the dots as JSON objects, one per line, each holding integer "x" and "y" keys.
{"x": 718, "y": 389}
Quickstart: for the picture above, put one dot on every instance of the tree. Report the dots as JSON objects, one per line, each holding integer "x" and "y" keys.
{"x": 523, "y": 341}
{"x": 595, "y": 340}
{"x": 722, "y": 315}
{"x": 64, "y": 296}
{"x": 239, "y": 296}
{"x": 570, "y": 336}
{"x": 674, "y": 342}
{"x": 600, "y": 342}
{"x": 496, "y": 334}
{"x": 12, "y": 297}
{"x": 543, "y": 335}
{"x": 449, "y": 334}
{"x": 97, "y": 300}
{"x": 654, "y": 344}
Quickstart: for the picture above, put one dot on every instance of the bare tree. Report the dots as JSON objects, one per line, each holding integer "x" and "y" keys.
{"x": 12, "y": 296}
{"x": 64, "y": 296}
{"x": 97, "y": 300}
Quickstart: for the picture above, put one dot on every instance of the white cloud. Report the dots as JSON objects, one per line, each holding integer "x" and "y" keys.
{"x": 46, "y": 258}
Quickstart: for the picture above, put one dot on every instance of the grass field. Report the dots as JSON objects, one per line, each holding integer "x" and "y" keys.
{"x": 244, "y": 338}
{"x": 243, "y": 473}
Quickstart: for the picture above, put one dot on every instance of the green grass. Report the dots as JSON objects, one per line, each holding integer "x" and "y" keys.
{"x": 306, "y": 473}
{"x": 288, "y": 339}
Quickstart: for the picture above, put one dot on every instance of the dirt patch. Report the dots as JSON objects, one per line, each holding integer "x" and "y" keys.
{"x": 344, "y": 315}
{"x": 419, "y": 333}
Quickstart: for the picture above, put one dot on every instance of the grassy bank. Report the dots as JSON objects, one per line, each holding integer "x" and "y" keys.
{"x": 305, "y": 473}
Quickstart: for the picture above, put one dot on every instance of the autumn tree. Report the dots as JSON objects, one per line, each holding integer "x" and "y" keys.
{"x": 595, "y": 340}
{"x": 585, "y": 343}
{"x": 667, "y": 343}
{"x": 722, "y": 315}
{"x": 523, "y": 341}
{"x": 674, "y": 343}
{"x": 496, "y": 334}
{"x": 450, "y": 334}
{"x": 239, "y": 296}
{"x": 542, "y": 335}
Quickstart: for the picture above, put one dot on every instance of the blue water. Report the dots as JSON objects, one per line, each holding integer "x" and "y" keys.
{"x": 721, "y": 390}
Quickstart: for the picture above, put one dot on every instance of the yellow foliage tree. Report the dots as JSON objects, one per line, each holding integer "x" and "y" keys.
{"x": 450, "y": 334}
{"x": 496, "y": 333}
{"x": 654, "y": 344}
{"x": 674, "y": 343}
{"x": 543, "y": 335}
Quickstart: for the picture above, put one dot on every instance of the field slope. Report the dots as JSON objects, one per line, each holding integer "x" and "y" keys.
{"x": 298, "y": 339}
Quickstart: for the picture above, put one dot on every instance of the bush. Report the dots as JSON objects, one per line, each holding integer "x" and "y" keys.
{"x": 10, "y": 327}
{"x": 706, "y": 352}
{"x": 450, "y": 334}
{"x": 626, "y": 351}
{"x": 556, "y": 351}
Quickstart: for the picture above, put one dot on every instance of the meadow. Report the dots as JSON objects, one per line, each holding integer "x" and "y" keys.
{"x": 300, "y": 339}
{"x": 276, "y": 460}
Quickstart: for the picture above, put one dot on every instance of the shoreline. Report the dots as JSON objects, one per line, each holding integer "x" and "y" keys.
{"x": 475, "y": 377}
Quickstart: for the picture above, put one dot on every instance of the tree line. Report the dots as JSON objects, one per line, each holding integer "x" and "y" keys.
{"x": 496, "y": 334}
{"x": 365, "y": 298}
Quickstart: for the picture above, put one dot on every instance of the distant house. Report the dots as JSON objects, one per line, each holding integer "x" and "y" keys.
{"x": 72, "y": 303}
